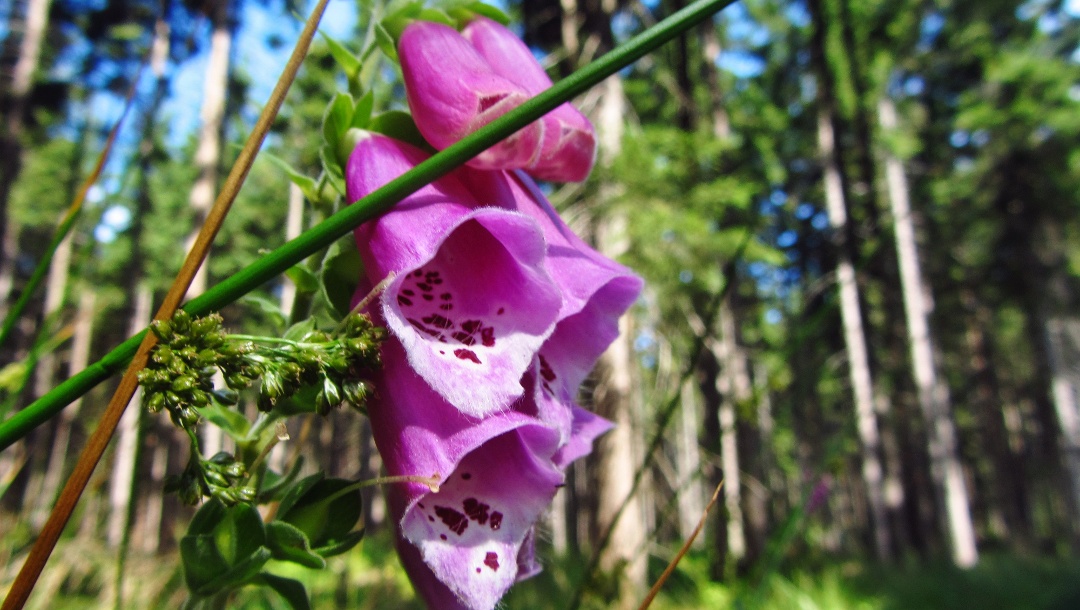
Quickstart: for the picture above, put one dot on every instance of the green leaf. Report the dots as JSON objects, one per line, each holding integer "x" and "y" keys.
{"x": 240, "y": 574}
{"x": 342, "y": 544}
{"x": 327, "y": 510}
{"x": 308, "y": 186}
{"x": 292, "y": 590}
{"x": 274, "y": 485}
{"x": 386, "y": 42}
{"x": 362, "y": 114}
{"x": 343, "y": 56}
{"x": 287, "y": 543}
{"x": 207, "y": 517}
{"x": 491, "y": 12}
{"x": 303, "y": 277}
{"x": 296, "y": 492}
{"x": 233, "y": 423}
{"x": 437, "y": 16}
{"x": 300, "y": 331}
{"x": 272, "y": 309}
{"x": 334, "y": 173}
{"x": 241, "y": 534}
{"x": 400, "y": 126}
{"x": 341, "y": 273}
{"x": 337, "y": 118}
{"x": 223, "y": 548}
{"x": 201, "y": 561}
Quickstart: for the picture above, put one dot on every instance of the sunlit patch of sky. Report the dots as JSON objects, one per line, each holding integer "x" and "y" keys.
{"x": 261, "y": 62}
{"x": 929, "y": 29}
{"x": 741, "y": 27}
{"x": 743, "y": 64}
{"x": 797, "y": 14}
{"x": 914, "y": 85}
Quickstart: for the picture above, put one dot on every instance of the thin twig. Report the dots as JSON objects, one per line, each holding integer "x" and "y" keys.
{"x": 682, "y": 552}
{"x": 665, "y": 416}
{"x": 99, "y": 440}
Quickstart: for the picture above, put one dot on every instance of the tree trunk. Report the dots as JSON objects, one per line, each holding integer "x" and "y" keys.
{"x": 125, "y": 462}
{"x": 614, "y": 394}
{"x": 33, "y": 32}
{"x": 733, "y": 386}
{"x": 933, "y": 393}
{"x": 691, "y": 493}
{"x": 56, "y": 466}
{"x": 211, "y": 115}
{"x": 1063, "y": 349}
{"x": 855, "y": 342}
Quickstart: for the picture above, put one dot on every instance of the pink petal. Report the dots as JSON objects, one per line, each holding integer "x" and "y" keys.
{"x": 568, "y": 150}
{"x": 452, "y": 92}
{"x": 472, "y": 301}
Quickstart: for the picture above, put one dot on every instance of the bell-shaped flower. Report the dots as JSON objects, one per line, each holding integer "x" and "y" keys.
{"x": 473, "y": 535}
{"x": 568, "y": 149}
{"x": 452, "y": 92}
{"x": 472, "y": 300}
{"x": 497, "y": 313}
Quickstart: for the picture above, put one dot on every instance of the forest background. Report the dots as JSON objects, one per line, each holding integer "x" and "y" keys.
{"x": 858, "y": 226}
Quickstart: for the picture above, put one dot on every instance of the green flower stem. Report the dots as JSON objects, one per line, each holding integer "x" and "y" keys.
{"x": 338, "y": 225}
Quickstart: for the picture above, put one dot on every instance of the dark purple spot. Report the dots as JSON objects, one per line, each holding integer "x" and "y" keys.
{"x": 501, "y": 311}
{"x": 446, "y": 306}
{"x": 455, "y": 521}
{"x": 424, "y": 286}
{"x": 443, "y": 536}
{"x": 403, "y": 301}
{"x": 407, "y": 292}
{"x": 436, "y": 281}
{"x": 442, "y": 352}
{"x": 477, "y": 570}
{"x": 438, "y": 321}
{"x": 545, "y": 370}
{"x": 430, "y": 518}
{"x": 487, "y": 335}
{"x": 428, "y": 297}
{"x": 496, "y": 520}
{"x": 471, "y": 326}
{"x": 446, "y": 296}
{"x": 418, "y": 273}
{"x": 466, "y": 475}
{"x": 420, "y": 504}
{"x": 464, "y": 338}
{"x": 491, "y": 560}
{"x": 465, "y": 354}
{"x": 476, "y": 510}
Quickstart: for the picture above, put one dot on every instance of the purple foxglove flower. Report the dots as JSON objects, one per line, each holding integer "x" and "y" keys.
{"x": 473, "y": 535}
{"x": 568, "y": 149}
{"x": 472, "y": 301}
{"x": 535, "y": 307}
{"x": 452, "y": 92}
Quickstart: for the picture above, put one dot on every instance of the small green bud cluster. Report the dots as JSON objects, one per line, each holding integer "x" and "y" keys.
{"x": 334, "y": 366}
{"x": 179, "y": 374}
{"x": 222, "y": 477}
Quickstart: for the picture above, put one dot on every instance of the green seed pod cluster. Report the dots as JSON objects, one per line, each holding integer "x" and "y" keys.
{"x": 332, "y": 368}
{"x": 179, "y": 374}
{"x": 219, "y": 477}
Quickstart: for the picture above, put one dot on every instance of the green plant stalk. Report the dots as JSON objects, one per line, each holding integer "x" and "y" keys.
{"x": 378, "y": 202}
